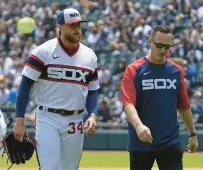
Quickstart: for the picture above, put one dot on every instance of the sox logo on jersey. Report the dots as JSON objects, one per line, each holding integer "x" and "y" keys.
{"x": 67, "y": 74}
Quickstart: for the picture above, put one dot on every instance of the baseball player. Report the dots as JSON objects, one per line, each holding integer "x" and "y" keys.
{"x": 153, "y": 88}
{"x": 63, "y": 73}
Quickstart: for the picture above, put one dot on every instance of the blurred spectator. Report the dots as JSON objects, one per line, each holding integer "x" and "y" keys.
{"x": 104, "y": 74}
{"x": 4, "y": 92}
{"x": 118, "y": 71}
{"x": 103, "y": 111}
{"x": 93, "y": 36}
{"x": 13, "y": 91}
{"x": 196, "y": 105}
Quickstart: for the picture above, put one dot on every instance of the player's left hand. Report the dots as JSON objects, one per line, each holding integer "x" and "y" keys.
{"x": 91, "y": 124}
{"x": 192, "y": 144}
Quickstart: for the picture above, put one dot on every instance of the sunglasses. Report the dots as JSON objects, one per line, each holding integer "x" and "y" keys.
{"x": 160, "y": 45}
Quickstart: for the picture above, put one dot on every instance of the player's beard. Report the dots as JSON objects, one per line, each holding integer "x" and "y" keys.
{"x": 73, "y": 39}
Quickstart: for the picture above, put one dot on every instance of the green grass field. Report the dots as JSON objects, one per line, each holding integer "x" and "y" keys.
{"x": 111, "y": 159}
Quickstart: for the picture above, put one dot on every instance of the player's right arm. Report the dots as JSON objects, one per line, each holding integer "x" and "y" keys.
{"x": 21, "y": 103}
{"x": 32, "y": 70}
{"x": 129, "y": 102}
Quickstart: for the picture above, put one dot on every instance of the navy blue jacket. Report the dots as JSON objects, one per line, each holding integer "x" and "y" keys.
{"x": 156, "y": 91}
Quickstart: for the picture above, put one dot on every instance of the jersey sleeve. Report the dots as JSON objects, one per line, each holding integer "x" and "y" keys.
{"x": 34, "y": 65}
{"x": 183, "y": 100}
{"x": 94, "y": 82}
{"x": 128, "y": 87}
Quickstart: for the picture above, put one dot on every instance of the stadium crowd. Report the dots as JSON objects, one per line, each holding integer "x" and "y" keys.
{"x": 117, "y": 31}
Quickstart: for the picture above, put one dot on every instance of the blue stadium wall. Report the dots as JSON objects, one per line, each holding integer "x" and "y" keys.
{"x": 117, "y": 140}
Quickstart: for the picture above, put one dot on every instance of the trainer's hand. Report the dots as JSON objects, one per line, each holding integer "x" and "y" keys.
{"x": 19, "y": 129}
{"x": 192, "y": 144}
{"x": 144, "y": 133}
{"x": 91, "y": 125}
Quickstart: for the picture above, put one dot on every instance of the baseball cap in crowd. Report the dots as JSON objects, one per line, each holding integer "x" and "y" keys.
{"x": 69, "y": 16}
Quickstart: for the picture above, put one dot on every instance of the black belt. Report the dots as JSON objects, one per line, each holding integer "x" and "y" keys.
{"x": 61, "y": 111}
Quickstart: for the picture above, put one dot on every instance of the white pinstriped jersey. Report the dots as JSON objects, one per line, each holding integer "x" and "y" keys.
{"x": 3, "y": 129}
{"x": 62, "y": 79}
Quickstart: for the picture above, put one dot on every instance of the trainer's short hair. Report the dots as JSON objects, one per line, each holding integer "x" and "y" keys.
{"x": 160, "y": 28}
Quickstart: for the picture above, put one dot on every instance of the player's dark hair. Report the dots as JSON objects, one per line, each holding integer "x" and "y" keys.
{"x": 160, "y": 28}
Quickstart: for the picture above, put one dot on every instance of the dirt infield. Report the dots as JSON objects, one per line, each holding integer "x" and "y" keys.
{"x": 100, "y": 169}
